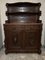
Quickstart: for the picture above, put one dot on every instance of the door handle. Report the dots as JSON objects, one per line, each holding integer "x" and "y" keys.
{"x": 15, "y": 39}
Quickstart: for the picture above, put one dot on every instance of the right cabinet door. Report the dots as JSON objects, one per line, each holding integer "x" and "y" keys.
{"x": 31, "y": 37}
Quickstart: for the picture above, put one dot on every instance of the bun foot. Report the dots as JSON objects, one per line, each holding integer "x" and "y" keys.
{"x": 39, "y": 52}
{"x": 6, "y": 52}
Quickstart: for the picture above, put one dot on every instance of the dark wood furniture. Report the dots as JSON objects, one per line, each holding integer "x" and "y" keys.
{"x": 23, "y": 28}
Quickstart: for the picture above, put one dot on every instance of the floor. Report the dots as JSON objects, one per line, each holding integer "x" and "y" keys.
{"x": 20, "y": 56}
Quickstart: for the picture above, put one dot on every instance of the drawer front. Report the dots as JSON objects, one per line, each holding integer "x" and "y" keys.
{"x": 23, "y": 18}
{"x": 23, "y": 9}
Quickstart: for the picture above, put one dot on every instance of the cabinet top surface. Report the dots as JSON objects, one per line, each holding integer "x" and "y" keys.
{"x": 23, "y": 24}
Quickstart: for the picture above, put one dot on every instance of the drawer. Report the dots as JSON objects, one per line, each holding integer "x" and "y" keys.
{"x": 23, "y": 7}
{"x": 23, "y": 18}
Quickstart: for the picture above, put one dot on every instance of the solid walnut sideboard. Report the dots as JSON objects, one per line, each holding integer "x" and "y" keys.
{"x": 23, "y": 28}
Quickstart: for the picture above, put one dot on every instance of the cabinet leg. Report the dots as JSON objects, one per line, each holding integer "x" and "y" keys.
{"x": 6, "y": 52}
{"x": 39, "y": 52}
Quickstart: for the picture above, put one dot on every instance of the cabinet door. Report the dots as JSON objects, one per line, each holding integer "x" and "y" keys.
{"x": 31, "y": 37}
{"x": 13, "y": 37}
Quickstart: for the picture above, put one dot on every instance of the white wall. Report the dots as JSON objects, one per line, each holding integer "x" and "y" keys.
{"x": 3, "y": 15}
{"x": 1, "y": 44}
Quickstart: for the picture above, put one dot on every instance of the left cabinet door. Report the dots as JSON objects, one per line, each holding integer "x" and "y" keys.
{"x": 12, "y": 40}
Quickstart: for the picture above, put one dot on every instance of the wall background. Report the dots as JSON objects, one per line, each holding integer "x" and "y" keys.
{"x": 1, "y": 44}
{"x": 3, "y": 16}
